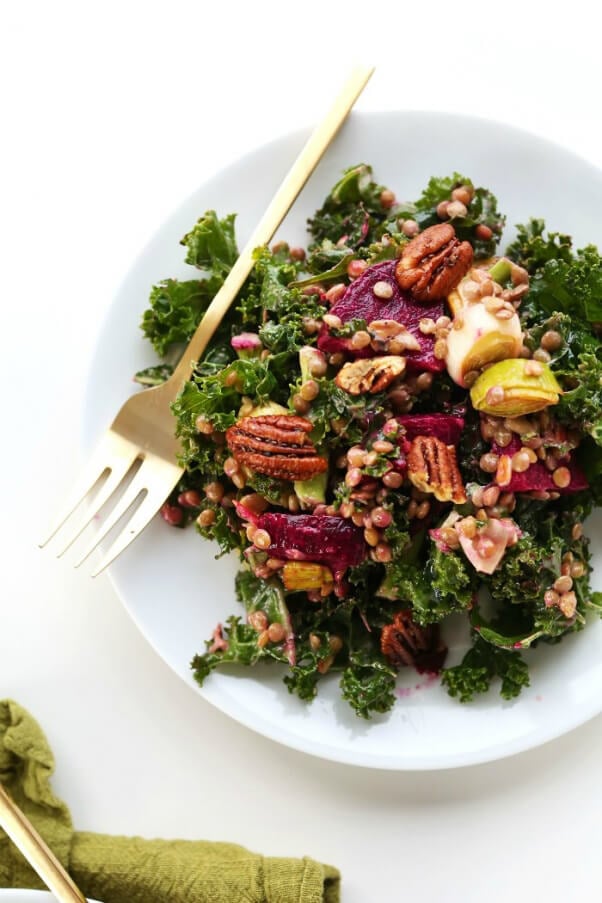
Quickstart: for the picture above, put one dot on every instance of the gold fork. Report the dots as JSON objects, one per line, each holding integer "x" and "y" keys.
{"x": 144, "y": 428}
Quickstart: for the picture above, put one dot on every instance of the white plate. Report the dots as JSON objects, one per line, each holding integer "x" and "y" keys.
{"x": 169, "y": 581}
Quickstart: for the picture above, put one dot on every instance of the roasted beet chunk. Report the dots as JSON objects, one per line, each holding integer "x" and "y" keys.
{"x": 445, "y": 427}
{"x": 537, "y": 477}
{"x": 305, "y": 537}
{"x": 360, "y": 303}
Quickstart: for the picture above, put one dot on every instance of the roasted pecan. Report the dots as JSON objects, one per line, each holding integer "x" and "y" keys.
{"x": 370, "y": 374}
{"x": 432, "y": 467}
{"x": 277, "y": 445}
{"x": 433, "y": 263}
{"x": 406, "y": 643}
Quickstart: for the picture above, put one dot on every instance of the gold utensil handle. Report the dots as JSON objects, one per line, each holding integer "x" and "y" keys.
{"x": 283, "y": 200}
{"x": 40, "y": 857}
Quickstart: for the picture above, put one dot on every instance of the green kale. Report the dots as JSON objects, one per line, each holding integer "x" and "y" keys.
{"x": 481, "y": 664}
{"x": 350, "y": 413}
{"x": 257, "y": 594}
{"x": 532, "y": 250}
{"x": 236, "y": 644}
{"x": 211, "y": 244}
{"x": 226, "y": 530}
{"x": 482, "y": 210}
{"x": 368, "y": 685}
{"x": 153, "y": 376}
{"x": 176, "y": 309}
{"x": 573, "y": 286}
{"x": 351, "y": 211}
{"x": 452, "y": 584}
{"x": 581, "y": 403}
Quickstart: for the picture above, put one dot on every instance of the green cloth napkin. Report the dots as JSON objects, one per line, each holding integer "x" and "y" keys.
{"x": 132, "y": 869}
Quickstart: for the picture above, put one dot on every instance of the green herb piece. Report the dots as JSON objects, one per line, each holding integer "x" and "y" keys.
{"x": 532, "y": 250}
{"x": 482, "y": 664}
{"x": 211, "y": 244}
{"x": 154, "y": 376}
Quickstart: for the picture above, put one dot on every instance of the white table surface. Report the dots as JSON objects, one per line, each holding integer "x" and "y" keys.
{"x": 111, "y": 114}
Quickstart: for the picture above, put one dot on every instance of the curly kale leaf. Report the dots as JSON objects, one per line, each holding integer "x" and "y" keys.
{"x": 482, "y": 210}
{"x": 368, "y": 685}
{"x": 241, "y": 649}
{"x": 211, "y": 244}
{"x": 350, "y": 412}
{"x": 226, "y": 530}
{"x": 452, "y": 585}
{"x": 573, "y": 286}
{"x": 153, "y": 376}
{"x": 176, "y": 309}
{"x": 531, "y": 249}
{"x": 482, "y": 664}
{"x": 581, "y": 403}
{"x": 351, "y": 211}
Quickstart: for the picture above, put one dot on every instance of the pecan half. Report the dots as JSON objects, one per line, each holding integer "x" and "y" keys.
{"x": 406, "y": 643}
{"x": 432, "y": 467}
{"x": 277, "y": 445}
{"x": 370, "y": 374}
{"x": 433, "y": 263}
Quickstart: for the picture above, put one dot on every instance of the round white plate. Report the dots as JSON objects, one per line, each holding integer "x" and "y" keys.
{"x": 168, "y": 579}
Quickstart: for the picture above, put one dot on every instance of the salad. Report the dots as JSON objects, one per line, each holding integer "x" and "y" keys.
{"x": 398, "y": 426}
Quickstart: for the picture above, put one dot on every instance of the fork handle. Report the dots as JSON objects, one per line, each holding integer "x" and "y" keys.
{"x": 281, "y": 203}
{"x": 40, "y": 857}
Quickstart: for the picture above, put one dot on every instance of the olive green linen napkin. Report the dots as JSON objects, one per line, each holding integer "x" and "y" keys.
{"x": 132, "y": 869}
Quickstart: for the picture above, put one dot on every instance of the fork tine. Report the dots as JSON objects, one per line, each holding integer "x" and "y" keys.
{"x": 136, "y": 487}
{"x": 112, "y": 451}
{"x": 134, "y": 526}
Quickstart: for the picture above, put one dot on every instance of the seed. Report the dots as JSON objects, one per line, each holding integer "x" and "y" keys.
{"x": 563, "y": 584}
{"x": 485, "y": 547}
{"x": 533, "y": 368}
{"x": 274, "y": 564}
{"x": 312, "y": 290}
{"x": 214, "y": 491}
{"x": 346, "y": 510}
{"x": 251, "y": 531}
{"x": 577, "y": 531}
{"x": 456, "y": 209}
{"x": 230, "y": 467}
{"x": 541, "y": 356}
{"x": 491, "y": 496}
{"x": 493, "y": 305}
{"x": 449, "y": 537}
{"x": 551, "y": 598}
{"x": 458, "y": 322}
{"x": 258, "y": 620}
{"x": 202, "y": 425}
{"x": 568, "y": 604}
{"x": 309, "y": 390}
{"x": 422, "y": 510}
{"x": 360, "y": 339}
{"x": 387, "y": 198}
{"x": 483, "y": 232}
{"x": 189, "y": 499}
{"x": 232, "y": 378}
{"x": 371, "y": 458}
{"x": 487, "y": 430}
{"x": 358, "y": 518}
{"x": 577, "y": 569}
{"x": 172, "y": 514}
{"x": 353, "y": 477}
{"x": 382, "y": 553}
{"x": 332, "y": 321}
{"x": 355, "y": 268}
{"x": 502, "y": 437}
{"x": 336, "y": 643}
{"x": 325, "y": 664}
{"x": 489, "y": 462}
{"x": 503, "y": 474}
{"x": 310, "y": 325}
{"x": 426, "y": 325}
{"x": 520, "y": 461}
{"x": 476, "y": 497}
{"x": 262, "y": 539}
{"x": 424, "y": 382}
{"x": 315, "y": 642}
{"x": 442, "y": 209}
{"x": 551, "y": 340}
{"x": 393, "y": 480}
{"x": 495, "y": 395}
{"x": 382, "y": 446}
{"x": 467, "y": 527}
{"x": 381, "y": 518}
{"x": 280, "y": 247}
{"x": 356, "y": 457}
{"x": 335, "y": 292}
{"x": 254, "y": 502}
{"x": 410, "y": 228}
{"x": 504, "y": 314}
{"x": 300, "y": 405}
{"x": 383, "y": 289}
{"x": 335, "y": 360}
{"x": 371, "y": 536}
{"x": 317, "y": 365}
{"x": 462, "y": 194}
{"x": 246, "y": 407}
{"x": 561, "y": 477}
{"x": 530, "y": 454}
{"x": 206, "y": 518}
{"x": 297, "y": 254}
{"x": 440, "y": 349}
{"x": 292, "y": 503}
{"x": 276, "y": 632}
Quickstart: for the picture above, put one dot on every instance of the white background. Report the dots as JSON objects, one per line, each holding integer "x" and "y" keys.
{"x": 110, "y": 115}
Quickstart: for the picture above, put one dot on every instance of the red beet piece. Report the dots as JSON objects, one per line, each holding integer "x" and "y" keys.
{"x": 537, "y": 477}
{"x": 333, "y": 541}
{"x": 359, "y": 302}
{"x": 445, "y": 427}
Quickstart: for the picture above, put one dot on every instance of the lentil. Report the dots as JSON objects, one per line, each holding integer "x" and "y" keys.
{"x": 262, "y": 539}
{"x": 563, "y": 584}
{"x": 258, "y": 620}
{"x": 383, "y": 289}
